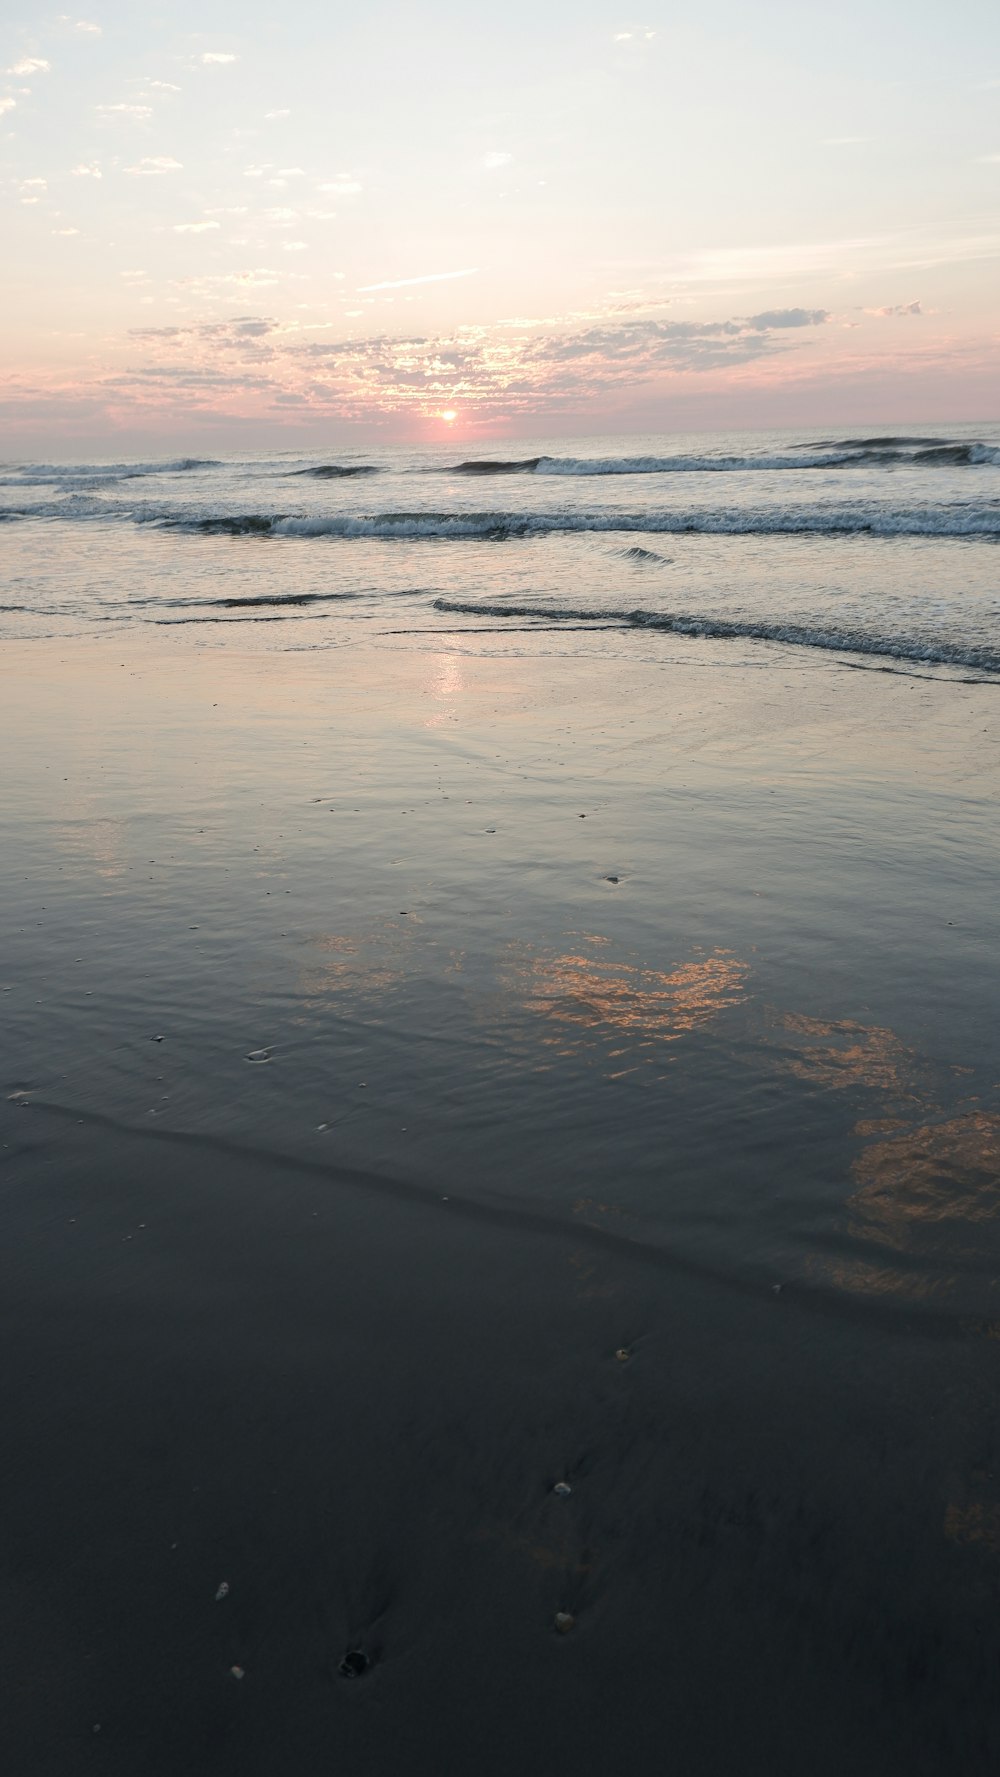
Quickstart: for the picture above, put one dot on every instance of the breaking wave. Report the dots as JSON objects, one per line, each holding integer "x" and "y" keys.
{"x": 932, "y": 521}
{"x": 840, "y": 641}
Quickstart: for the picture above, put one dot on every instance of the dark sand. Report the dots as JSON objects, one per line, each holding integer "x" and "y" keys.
{"x": 735, "y": 1113}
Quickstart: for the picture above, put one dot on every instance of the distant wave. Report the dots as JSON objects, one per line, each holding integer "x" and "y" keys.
{"x": 955, "y": 519}
{"x": 841, "y": 641}
{"x": 850, "y": 454}
{"x": 337, "y": 471}
{"x": 497, "y": 466}
{"x": 869, "y": 443}
{"x": 90, "y": 474}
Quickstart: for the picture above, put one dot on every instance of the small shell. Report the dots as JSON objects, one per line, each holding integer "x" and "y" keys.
{"x": 564, "y": 1621}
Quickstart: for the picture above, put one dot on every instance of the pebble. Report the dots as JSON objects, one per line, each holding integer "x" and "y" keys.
{"x": 259, "y": 1055}
{"x": 354, "y": 1663}
{"x": 564, "y": 1621}
{"x": 223, "y": 1591}
{"x": 563, "y": 1489}
{"x": 237, "y": 1671}
{"x": 622, "y": 1354}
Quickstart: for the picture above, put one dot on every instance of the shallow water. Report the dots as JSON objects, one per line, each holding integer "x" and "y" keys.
{"x": 398, "y": 1025}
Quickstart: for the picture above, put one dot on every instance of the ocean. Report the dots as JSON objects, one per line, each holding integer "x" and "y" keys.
{"x": 879, "y": 547}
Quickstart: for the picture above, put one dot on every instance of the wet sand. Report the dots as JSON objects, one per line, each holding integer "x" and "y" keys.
{"x": 393, "y": 1039}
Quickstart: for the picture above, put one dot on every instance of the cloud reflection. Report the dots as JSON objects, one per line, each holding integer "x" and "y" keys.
{"x": 595, "y": 1001}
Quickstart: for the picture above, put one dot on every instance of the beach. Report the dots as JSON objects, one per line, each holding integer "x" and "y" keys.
{"x": 455, "y": 1053}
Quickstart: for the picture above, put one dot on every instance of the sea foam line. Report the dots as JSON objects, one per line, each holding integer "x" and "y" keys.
{"x": 841, "y": 641}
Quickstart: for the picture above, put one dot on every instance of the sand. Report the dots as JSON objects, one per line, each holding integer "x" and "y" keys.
{"x": 431, "y": 1077}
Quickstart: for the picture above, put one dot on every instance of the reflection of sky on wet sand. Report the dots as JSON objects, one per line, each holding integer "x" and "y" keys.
{"x": 919, "y": 1195}
{"x": 926, "y": 1184}
{"x": 935, "y": 1177}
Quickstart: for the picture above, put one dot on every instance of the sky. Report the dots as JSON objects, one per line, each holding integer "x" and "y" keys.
{"x": 261, "y": 226}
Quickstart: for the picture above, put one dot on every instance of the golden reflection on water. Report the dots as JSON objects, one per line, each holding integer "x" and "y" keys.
{"x": 592, "y": 1000}
{"x": 370, "y": 964}
{"x": 846, "y": 1054}
{"x": 935, "y": 1174}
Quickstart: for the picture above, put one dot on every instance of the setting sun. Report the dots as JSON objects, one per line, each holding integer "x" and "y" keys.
{"x": 449, "y": 416}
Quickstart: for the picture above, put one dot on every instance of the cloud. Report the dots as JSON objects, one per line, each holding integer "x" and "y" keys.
{"x": 272, "y": 116}
{"x": 433, "y": 277}
{"x": 65, "y": 231}
{"x": 895, "y": 308}
{"x": 295, "y": 246}
{"x": 29, "y": 65}
{"x": 216, "y": 58}
{"x": 844, "y": 141}
{"x": 988, "y": 160}
{"x": 139, "y": 112}
{"x": 87, "y": 171}
{"x": 786, "y": 318}
{"x": 162, "y": 86}
{"x": 153, "y": 164}
{"x": 86, "y": 27}
{"x": 558, "y": 366}
{"x": 194, "y": 227}
{"x": 342, "y": 186}
{"x": 496, "y": 158}
{"x": 291, "y": 173}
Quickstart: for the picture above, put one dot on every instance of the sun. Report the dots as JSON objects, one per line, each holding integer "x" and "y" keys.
{"x": 449, "y": 416}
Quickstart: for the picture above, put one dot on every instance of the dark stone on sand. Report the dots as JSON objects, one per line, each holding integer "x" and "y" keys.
{"x": 564, "y": 1621}
{"x": 354, "y": 1664}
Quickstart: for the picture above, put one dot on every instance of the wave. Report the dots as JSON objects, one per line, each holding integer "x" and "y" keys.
{"x": 956, "y": 519}
{"x": 496, "y": 466}
{"x": 937, "y": 454}
{"x": 932, "y": 521}
{"x": 91, "y": 474}
{"x": 847, "y": 454}
{"x": 840, "y": 641}
{"x": 337, "y": 471}
{"x": 252, "y": 601}
{"x": 870, "y": 443}
{"x": 635, "y": 553}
